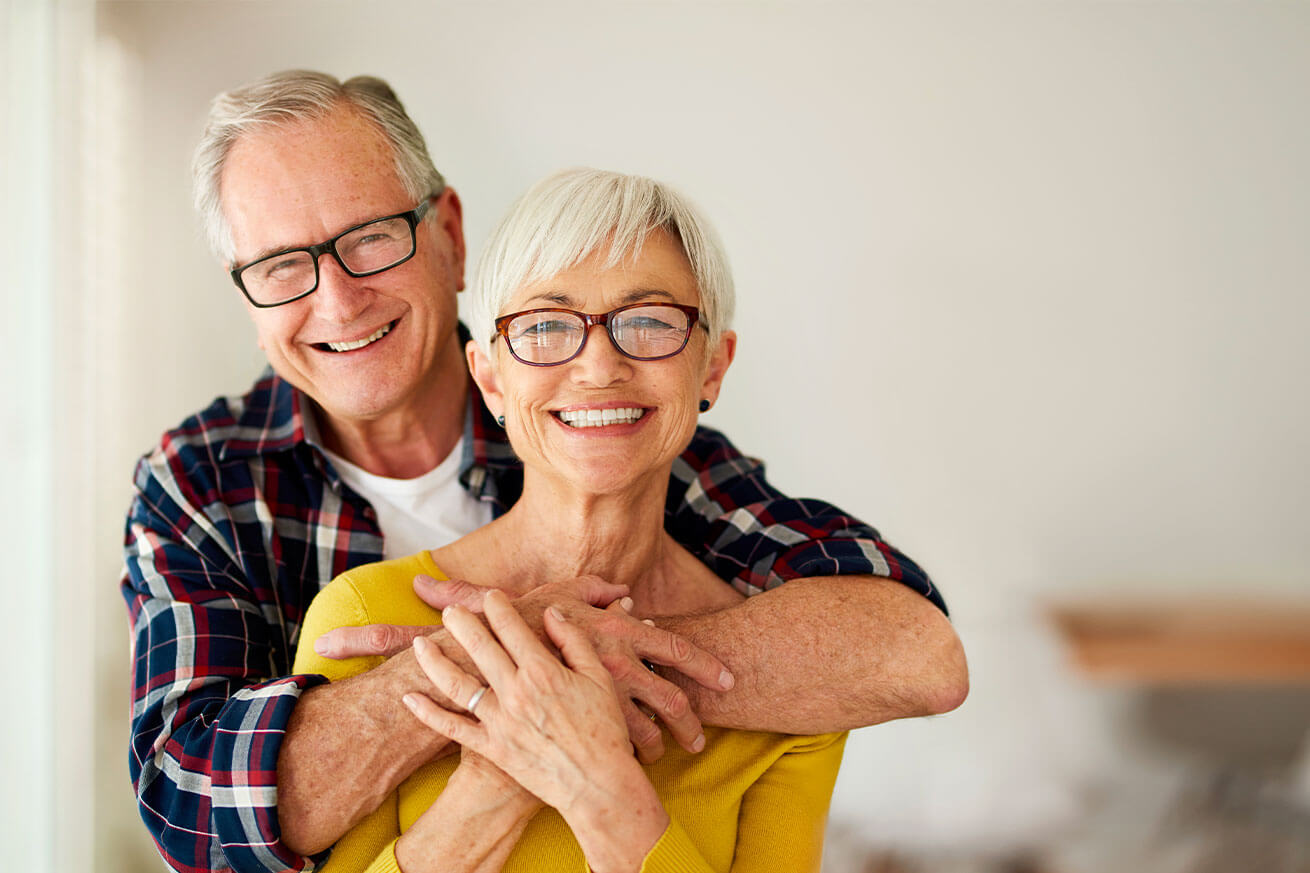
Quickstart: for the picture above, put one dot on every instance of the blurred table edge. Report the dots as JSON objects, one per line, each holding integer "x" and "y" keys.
{"x": 1214, "y": 640}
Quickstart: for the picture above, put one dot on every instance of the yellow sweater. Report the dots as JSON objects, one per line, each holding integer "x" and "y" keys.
{"x": 748, "y": 802}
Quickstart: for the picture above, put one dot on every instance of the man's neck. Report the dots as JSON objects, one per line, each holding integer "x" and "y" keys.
{"x": 408, "y": 442}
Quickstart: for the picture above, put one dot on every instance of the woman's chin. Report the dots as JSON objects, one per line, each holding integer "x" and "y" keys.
{"x": 608, "y": 474}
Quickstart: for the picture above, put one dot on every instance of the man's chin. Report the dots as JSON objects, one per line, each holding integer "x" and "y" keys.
{"x": 356, "y": 409}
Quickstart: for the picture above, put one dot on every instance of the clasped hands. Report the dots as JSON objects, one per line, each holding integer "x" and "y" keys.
{"x": 598, "y": 612}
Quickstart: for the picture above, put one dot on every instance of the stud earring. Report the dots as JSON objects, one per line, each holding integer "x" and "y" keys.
{"x": 500, "y": 420}
{"x": 704, "y": 406}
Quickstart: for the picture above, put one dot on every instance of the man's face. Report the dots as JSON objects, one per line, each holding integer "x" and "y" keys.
{"x": 304, "y": 183}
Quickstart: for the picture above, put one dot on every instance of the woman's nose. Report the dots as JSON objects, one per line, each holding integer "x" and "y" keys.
{"x": 600, "y": 363}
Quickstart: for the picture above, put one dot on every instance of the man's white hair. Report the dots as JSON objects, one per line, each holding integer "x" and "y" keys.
{"x": 570, "y": 215}
{"x": 293, "y": 96}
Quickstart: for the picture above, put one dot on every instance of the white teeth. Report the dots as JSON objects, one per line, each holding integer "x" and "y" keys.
{"x": 600, "y": 417}
{"x": 359, "y": 344}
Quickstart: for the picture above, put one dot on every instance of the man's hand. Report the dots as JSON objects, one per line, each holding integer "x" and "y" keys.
{"x": 622, "y": 642}
{"x": 392, "y": 639}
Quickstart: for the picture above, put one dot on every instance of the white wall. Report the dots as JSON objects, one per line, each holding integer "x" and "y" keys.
{"x": 1024, "y": 284}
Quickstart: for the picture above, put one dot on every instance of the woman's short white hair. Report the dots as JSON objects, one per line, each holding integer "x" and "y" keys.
{"x": 293, "y": 96}
{"x": 566, "y": 217}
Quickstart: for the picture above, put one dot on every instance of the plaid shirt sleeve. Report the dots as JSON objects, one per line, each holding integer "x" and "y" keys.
{"x": 208, "y": 714}
{"x": 721, "y": 508}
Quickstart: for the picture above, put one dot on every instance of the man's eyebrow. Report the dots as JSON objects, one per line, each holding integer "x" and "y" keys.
{"x": 283, "y": 249}
{"x": 271, "y": 252}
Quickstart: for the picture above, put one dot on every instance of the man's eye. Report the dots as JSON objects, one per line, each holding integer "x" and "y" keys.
{"x": 281, "y": 268}
{"x": 373, "y": 239}
{"x": 390, "y": 232}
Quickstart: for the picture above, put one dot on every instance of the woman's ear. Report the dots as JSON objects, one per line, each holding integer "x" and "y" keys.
{"x": 720, "y": 360}
{"x": 484, "y": 376}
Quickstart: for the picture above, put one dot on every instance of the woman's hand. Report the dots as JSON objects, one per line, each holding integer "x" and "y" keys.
{"x": 621, "y": 642}
{"x": 555, "y": 728}
{"x": 472, "y": 826}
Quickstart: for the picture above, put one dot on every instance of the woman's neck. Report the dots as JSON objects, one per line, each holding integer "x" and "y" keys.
{"x": 619, "y": 536}
{"x": 555, "y": 534}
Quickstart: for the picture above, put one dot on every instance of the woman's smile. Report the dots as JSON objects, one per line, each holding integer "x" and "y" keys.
{"x": 600, "y": 417}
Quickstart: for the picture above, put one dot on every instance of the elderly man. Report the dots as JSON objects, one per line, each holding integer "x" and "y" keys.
{"x": 367, "y": 440}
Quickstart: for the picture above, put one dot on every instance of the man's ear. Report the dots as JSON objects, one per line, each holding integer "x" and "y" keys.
{"x": 450, "y": 218}
{"x": 720, "y": 360}
{"x": 484, "y": 376}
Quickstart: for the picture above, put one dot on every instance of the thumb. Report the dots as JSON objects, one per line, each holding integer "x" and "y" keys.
{"x": 595, "y": 591}
{"x": 440, "y": 593}
{"x": 368, "y": 640}
{"x": 574, "y": 647}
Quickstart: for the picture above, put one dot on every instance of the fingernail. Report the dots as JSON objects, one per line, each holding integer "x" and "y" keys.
{"x": 726, "y": 680}
{"x": 412, "y": 702}
{"x": 446, "y": 614}
{"x": 626, "y": 603}
{"x": 698, "y": 743}
{"x": 648, "y": 621}
{"x": 559, "y": 616}
{"x": 426, "y": 581}
{"x": 324, "y": 647}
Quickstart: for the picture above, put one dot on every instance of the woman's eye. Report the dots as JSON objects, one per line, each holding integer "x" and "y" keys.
{"x": 542, "y": 330}
{"x": 649, "y": 322}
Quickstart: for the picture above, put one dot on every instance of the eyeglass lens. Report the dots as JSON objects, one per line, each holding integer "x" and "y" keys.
{"x": 643, "y": 332}
{"x": 368, "y": 249}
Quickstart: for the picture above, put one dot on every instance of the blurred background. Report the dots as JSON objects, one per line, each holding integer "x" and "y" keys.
{"x": 1025, "y": 284}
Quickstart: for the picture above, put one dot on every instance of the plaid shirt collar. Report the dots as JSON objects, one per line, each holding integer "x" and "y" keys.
{"x": 273, "y": 420}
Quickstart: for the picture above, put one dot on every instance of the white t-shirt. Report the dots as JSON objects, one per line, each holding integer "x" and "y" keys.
{"x": 426, "y": 512}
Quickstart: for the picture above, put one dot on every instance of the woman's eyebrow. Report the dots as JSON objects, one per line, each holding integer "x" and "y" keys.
{"x": 553, "y": 298}
{"x": 638, "y": 294}
{"x": 566, "y": 300}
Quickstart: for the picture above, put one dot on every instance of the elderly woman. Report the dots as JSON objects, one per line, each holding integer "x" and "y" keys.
{"x": 601, "y": 308}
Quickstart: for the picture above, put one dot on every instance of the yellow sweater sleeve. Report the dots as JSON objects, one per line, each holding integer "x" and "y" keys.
{"x": 784, "y": 814}
{"x": 782, "y": 820}
{"x": 674, "y": 853}
{"x": 369, "y": 845}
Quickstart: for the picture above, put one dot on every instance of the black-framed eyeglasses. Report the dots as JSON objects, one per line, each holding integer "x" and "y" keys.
{"x": 641, "y": 331}
{"x": 362, "y": 250}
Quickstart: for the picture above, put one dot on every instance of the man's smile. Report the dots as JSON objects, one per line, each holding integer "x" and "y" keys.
{"x": 359, "y": 343}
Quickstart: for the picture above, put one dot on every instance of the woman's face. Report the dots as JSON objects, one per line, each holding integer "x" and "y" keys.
{"x": 541, "y": 405}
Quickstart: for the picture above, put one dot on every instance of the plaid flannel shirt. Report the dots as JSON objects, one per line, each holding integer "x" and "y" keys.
{"x": 237, "y": 522}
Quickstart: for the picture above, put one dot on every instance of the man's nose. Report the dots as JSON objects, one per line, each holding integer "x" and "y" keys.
{"x": 600, "y": 363}
{"x": 339, "y": 296}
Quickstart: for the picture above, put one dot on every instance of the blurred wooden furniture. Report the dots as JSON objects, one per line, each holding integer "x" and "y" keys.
{"x": 1179, "y": 642}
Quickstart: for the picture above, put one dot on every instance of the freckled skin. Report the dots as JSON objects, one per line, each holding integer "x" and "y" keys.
{"x": 303, "y": 183}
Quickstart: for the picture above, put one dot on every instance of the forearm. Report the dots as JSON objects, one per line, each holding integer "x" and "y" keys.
{"x": 473, "y": 825}
{"x": 237, "y": 821}
{"x": 827, "y": 654}
{"x": 617, "y": 818}
{"x": 348, "y": 745}
{"x": 205, "y": 742}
